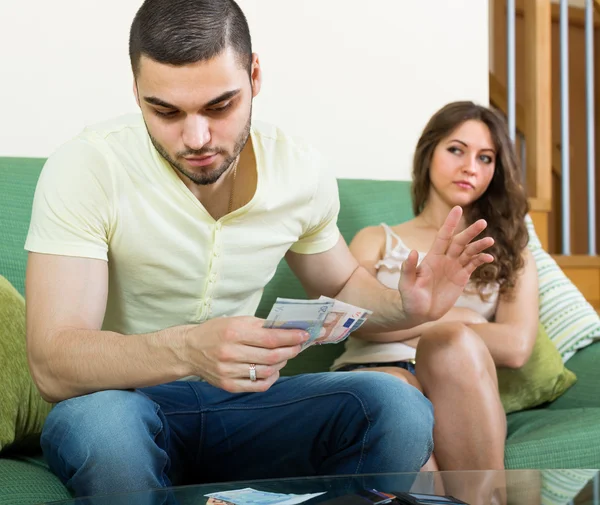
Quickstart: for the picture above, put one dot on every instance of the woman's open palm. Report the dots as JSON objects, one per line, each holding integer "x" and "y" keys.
{"x": 430, "y": 289}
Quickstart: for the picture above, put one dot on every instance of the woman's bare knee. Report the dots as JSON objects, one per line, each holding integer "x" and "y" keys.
{"x": 451, "y": 343}
{"x": 453, "y": 351}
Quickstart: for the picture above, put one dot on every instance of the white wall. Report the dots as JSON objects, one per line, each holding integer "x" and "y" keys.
{"x": 359, "y": 80}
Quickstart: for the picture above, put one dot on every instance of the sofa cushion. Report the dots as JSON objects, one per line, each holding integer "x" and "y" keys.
{"x": 560, "y": 487}
{"x": 22, "y": 409}
{"x": 25, "y": 481}
{"x": 542, "y": 379}
{"x": 545, "y": 438}
{"x": 571, "y": 322}
{"x": 18, "y": 178}
{"x": 586, "y": 391}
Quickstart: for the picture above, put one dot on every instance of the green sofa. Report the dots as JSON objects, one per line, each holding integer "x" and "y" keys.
{"x": 564, "y": 434}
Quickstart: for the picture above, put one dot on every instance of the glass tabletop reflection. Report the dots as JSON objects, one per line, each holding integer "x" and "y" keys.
{"x": 518, "y": 487}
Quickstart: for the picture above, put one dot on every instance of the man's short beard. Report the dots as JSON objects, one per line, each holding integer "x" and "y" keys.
{"x": 203, "y": 179}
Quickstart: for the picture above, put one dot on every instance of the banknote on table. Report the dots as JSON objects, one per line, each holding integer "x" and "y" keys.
{"x": 249, "y": 496}
{"x": 328, "y": 321}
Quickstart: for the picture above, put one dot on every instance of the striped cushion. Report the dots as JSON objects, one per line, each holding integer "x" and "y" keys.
{"x": 560, "y": 487}
{"x": 570, "y": 321}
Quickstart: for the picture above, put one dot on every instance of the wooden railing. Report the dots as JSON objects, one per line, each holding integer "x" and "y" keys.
{"x": 538, "y": 101}
{"x": 498, "y": 98}
{"x": 534, "y": 118}
{"x": 536, "y": 23}
{"x": 538, "y": 107}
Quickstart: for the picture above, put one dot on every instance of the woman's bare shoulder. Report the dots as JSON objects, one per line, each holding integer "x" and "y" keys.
{"x": 371, "y": 238}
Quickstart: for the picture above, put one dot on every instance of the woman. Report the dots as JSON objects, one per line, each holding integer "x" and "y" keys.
{"x": 463, "y": 157}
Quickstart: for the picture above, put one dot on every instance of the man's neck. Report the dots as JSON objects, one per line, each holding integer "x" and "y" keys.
{"x": 210, "y": 192}
{"x": 241, "y": 185}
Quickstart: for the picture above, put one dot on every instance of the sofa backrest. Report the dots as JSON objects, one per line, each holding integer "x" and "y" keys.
{"x": 363, "y": 203}
{"x": 18, "y": 177}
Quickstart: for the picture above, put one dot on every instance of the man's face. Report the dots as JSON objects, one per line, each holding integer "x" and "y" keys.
{"x": 198, "y": 115}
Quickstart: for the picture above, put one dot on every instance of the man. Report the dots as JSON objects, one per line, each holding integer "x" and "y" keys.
{"x": 151, "y": 240}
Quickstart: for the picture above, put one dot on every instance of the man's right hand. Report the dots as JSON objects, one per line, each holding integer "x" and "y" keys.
{"x": 221, "y": 351}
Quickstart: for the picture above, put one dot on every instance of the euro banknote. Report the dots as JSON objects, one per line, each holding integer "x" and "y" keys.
{"x": 328, "y": 321}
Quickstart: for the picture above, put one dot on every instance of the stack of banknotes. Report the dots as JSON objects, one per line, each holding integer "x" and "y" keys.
{"x": 328, "y": 321}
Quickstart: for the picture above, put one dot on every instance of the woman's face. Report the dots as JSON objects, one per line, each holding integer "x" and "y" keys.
{"x": 463, "y": 165}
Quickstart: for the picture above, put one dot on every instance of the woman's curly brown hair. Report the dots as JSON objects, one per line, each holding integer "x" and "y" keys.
{"x": 504, "y": 204}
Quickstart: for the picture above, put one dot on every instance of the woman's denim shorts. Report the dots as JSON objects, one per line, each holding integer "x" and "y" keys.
{"x": 407, "y": 365}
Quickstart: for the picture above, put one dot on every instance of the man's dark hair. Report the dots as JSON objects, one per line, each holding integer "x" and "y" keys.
{"x": 179, "y": 32}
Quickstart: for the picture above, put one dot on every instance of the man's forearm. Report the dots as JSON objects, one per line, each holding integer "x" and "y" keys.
{"x": 455, "y": 314}
{"x": 75, "y": 362}
{"x": 364, "y": 290}
{"x": 392, "y": 336}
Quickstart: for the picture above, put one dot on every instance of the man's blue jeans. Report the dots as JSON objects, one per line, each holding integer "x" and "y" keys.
{"x": 191, "y": 432}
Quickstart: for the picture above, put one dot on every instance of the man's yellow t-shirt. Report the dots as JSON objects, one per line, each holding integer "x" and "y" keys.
{"x": 108, "y": 194}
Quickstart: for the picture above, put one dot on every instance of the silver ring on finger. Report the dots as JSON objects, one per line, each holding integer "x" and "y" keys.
{"x": 252, "y": 372}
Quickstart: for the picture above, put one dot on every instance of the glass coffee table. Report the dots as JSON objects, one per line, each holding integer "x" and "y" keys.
{"x": 518, "y": 487}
